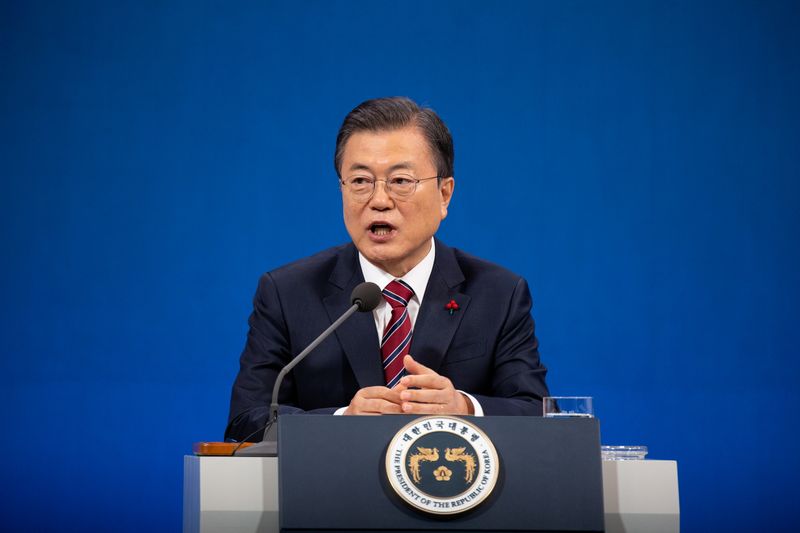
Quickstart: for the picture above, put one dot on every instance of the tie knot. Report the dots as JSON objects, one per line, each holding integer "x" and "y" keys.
{"x": 398, "y": 293}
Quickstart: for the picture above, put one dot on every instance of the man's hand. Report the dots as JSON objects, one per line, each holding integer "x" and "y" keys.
{"x": 375, "y": 401}
{"x": 424, "y": 392}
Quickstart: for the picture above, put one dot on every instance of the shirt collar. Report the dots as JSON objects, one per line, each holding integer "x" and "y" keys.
{"x": 417, "y": 277}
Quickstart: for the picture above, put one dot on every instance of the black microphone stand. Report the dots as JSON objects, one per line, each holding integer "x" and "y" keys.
{"x": 268, "y": 447}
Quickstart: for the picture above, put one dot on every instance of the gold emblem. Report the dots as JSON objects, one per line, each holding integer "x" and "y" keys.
{"x": 442, "y": 473}
{"x": 457, "y": 454}
{"x": 425, "y": 454}
{"x": 424, "y": 460}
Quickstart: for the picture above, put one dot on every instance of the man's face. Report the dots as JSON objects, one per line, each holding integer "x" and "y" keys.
{"x": 393, "y": 234}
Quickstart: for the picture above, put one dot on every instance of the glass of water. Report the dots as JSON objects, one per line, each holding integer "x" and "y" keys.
{"x": 568, "y": 407}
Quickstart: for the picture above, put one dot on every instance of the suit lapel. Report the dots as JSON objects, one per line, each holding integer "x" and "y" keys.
{"x": 435, "y": 326}
{"x": 357, "y": 335}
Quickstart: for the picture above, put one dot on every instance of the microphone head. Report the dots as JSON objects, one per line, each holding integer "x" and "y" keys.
{"x": 366, "y": 296}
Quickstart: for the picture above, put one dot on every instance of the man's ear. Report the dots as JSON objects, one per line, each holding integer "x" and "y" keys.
{"x": 446, "y": 188}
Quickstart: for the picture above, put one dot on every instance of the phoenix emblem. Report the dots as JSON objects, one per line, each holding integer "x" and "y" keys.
{"x": 425, "y": 454}
{"x": 457, "y": 454}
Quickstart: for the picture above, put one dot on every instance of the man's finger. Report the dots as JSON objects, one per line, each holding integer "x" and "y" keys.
{"x": 425, "y": 408}
{"x": 399, "y": 387}
{"x": 379, "y": 406}
{"x": 375, "y": 400}
{"x": 373, "y": 406}
{"x": 413, "y": 367}
{"x": 424, "y": 396}
{"x": 426, "y": 381}
{"x": 379, "y": 392}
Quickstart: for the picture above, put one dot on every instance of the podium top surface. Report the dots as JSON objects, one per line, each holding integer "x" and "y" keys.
{"x": 217, "y": 448}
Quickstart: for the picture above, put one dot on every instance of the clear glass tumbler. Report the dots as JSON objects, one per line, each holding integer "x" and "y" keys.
{"x": 568, "y": 407}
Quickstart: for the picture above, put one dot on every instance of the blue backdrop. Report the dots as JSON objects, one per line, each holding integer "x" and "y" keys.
{"x": 636, "y": 161}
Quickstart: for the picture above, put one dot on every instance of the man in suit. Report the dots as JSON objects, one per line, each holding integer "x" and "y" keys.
{"x": 454, "y": 334}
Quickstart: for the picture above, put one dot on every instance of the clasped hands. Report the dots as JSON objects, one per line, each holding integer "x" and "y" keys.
{"x": 421, "y": 392}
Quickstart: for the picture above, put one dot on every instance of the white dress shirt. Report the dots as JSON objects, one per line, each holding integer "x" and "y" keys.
{"x": 417, "y": 278}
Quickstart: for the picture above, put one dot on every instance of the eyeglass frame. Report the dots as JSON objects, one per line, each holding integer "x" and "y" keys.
{"x": 386, "y": 186}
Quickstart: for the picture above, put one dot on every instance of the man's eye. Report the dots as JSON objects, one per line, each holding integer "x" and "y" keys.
{"x": 361, "y": 180}
{"x": 402, "y": 181}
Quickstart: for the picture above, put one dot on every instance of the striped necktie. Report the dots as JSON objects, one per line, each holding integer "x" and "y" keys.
{"x": 397, "y": 335}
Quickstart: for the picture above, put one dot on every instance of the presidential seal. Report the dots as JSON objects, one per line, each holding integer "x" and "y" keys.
{"x": 442, "y": 464}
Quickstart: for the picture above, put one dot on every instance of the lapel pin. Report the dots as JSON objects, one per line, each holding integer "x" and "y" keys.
{"x": 451, "y": 306}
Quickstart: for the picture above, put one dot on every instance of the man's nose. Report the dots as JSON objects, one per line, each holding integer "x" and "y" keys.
{"x": 380, "y": 197}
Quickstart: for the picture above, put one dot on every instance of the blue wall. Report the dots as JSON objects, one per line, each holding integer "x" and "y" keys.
{"x": 636, "y": 161}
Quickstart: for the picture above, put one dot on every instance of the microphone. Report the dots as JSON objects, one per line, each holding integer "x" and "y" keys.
{"x": 364, "y": 298}
{"x": 367, "y": 296}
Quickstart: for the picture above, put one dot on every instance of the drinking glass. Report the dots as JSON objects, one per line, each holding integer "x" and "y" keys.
{"x": 568, "y": 407}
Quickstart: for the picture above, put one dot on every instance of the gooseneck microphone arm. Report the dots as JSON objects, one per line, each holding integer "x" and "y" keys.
{"x": 273, "y": 408}
{"x": 365, "y": 297}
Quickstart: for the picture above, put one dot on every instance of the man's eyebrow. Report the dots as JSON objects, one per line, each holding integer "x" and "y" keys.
{"x": 403, "y": 165}
{"x": 359, "y": 166}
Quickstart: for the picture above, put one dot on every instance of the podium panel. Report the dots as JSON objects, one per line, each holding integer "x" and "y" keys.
{"x": 240, "y": 494}
{"x": 641, "y": 496}
{"x": 332, "y": 477}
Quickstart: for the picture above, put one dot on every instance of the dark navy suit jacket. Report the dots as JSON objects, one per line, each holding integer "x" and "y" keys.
{"x": 487, "y": 347}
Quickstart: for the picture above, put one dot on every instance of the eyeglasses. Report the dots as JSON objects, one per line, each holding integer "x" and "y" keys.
{"x": 361, "y": 188}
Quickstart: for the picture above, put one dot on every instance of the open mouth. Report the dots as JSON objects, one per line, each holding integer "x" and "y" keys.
{"x": 381, "y": 228}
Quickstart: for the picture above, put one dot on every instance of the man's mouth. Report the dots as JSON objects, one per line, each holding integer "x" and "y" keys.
{"x": 381, "y": 228}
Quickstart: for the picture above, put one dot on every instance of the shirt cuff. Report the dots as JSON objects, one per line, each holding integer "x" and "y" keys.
{"x": 340, "y": 411}
{"x": 475, "y": 405}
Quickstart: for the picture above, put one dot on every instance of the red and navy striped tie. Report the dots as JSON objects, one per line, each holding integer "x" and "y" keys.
{"x": 397, "y": 335}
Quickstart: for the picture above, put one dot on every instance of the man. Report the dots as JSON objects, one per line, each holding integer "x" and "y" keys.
{"x": 454, "y": 334}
